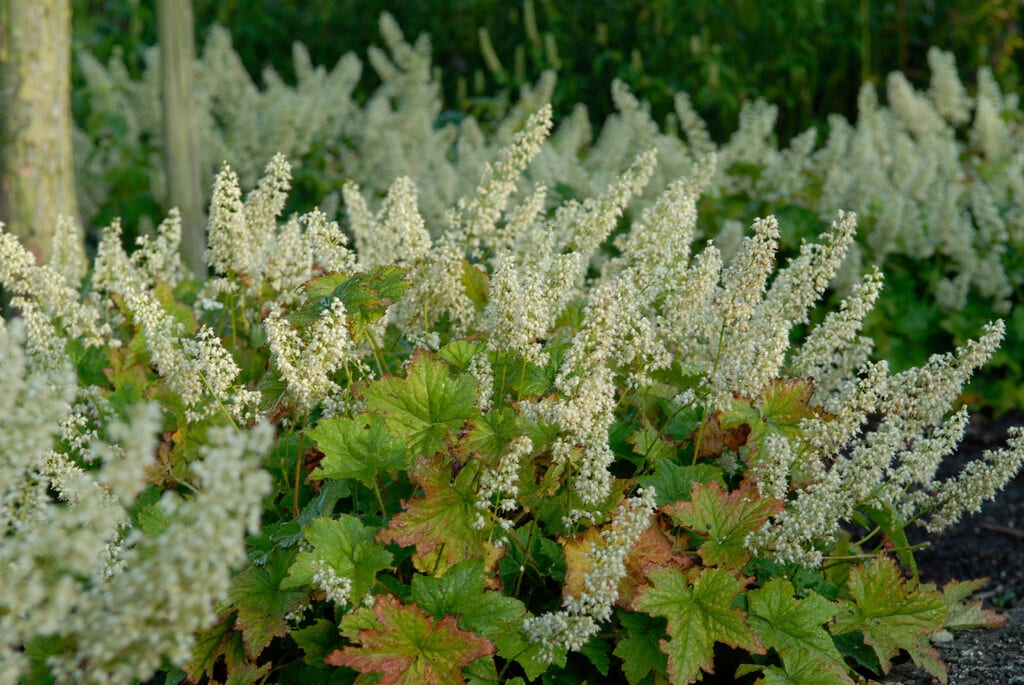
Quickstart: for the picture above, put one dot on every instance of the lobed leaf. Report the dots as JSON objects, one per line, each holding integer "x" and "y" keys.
{"x": 425, "y": 406}
{"x": 263, "y": 601}
{"x": 725, "y": 518}
{"x": 699, "y": 612}
{"x": 347, "y": 546}
{"x": 410, "y": 648}
{"x": 440, "y": 523}
{"x": 793, "y": 627}
{"x": 893, "y": 614}
{"x": 359, "y": 448}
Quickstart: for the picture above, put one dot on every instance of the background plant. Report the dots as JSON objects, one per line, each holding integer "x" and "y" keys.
{"x": 934, "y": 175}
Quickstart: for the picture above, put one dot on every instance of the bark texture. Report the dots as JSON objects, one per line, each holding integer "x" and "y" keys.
{"x": 181, "y": 137}
{"x": 36, "y": 170}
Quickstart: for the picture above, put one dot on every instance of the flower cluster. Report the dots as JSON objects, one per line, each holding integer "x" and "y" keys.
{"x": 571, "y": 627}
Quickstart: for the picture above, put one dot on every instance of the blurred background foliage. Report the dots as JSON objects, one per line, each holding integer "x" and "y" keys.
{"x": 808, "y": 58}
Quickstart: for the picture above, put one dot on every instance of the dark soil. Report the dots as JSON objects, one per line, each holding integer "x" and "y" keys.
{"x": 987, "y": 544}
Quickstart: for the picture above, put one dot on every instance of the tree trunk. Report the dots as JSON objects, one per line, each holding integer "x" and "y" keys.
{"x": 36, "y": 171}
{"x": 175, "y": 25}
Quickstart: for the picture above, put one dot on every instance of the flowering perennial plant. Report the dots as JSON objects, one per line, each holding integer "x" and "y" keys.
{"x": 545, "y": 444}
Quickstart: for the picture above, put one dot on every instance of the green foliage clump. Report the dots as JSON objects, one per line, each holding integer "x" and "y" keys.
{"x": 529, "y": 447}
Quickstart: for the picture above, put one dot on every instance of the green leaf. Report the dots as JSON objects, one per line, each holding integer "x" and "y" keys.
{"x": 460, "y": 593}
{"x": 801, "y": 668}
{"x": 316, "y": 641}
{"x": 793, "y": 628}
{"x": 247, "y": 674}
{"x": 490, "y": 436}
{"x": 779, "y": 409}
{"x": 153, "y": 519}
{"x": 725, "y": 519}
{"x": 181, "y": 313}
{"x": 639, "y": 650}
{"x": 893, "y": 614}
{"x": 366, "y": 297}
{"x": 289, "y": 533}
{"x": 852, "y": 645}
{"x": 888, "y": 520}
{"x": 89, "y": 362}
{"x": 210, "y": 645}
{"x": 963, "y": 615}
{"x": 482, "y": 672}
{"x": 476, "y": 283}
{"x": 459, "y": 353}
{"x": 410, "y": 648}
{"x": 440, "y": 523}
{"x": 649, "y": 443}
{"x": 347, "y": 546}
{"x": 356, "y": 621}
{"x": 596, "y": 651}
{"x": 359, "y": 448}
{"x": 323, "y": 286}
{"x": 672, "y": 482}
{"x": 262, "y": 603}
{"x": 525, "y": 378}
{"x": 699, "y": 613}
{"x": 425, "y": 406}
{"x": 38, "y": 650}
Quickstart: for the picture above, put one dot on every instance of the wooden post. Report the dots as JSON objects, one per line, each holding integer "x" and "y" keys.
{"x": 175, "y": 25}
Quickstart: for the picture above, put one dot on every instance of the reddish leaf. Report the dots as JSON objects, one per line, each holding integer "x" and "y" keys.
{"x": 439, "y": 523}
{"x": 410, "y": 648}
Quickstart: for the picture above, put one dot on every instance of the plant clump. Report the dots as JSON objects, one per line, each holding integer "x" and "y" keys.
{"x": 541, "y": 443}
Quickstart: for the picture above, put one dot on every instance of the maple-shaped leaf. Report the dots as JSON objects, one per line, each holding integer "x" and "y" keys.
{"x": 724, "y": 518}
{"x": 801, "y": 668}
{"x": 639, "y": 649}
{"x": 359, "y": 448}
{"x": 793, "y": 628}
{"x": 356, "y": 621}
{"x": 651, "y": 445}
{"x": 893, "y": 614}
{"x": 699, "y": 613}
{"x": 460, "y": 592}
{"x": 653, "y": 549}
{"x": 964, "y": 615}
{"x": 366, "y": 297}
{"x": 248, "y": 673}
{"x": 316, "y": 641}
{"x": 347, "y": 546}
{"x": 460, "y": 353}
{"x": 262, "y": 603}
{"x": 672, "y": 481}
{"x": 489, "y": 436}
{"x": 411, "y": 648}
{"x": 440, "y": 522}
{"x": 212, "y": 644}
{"x": 778, "y": 409}
{"x": 716, "y": 436}
{"x": 426, "y": 405}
